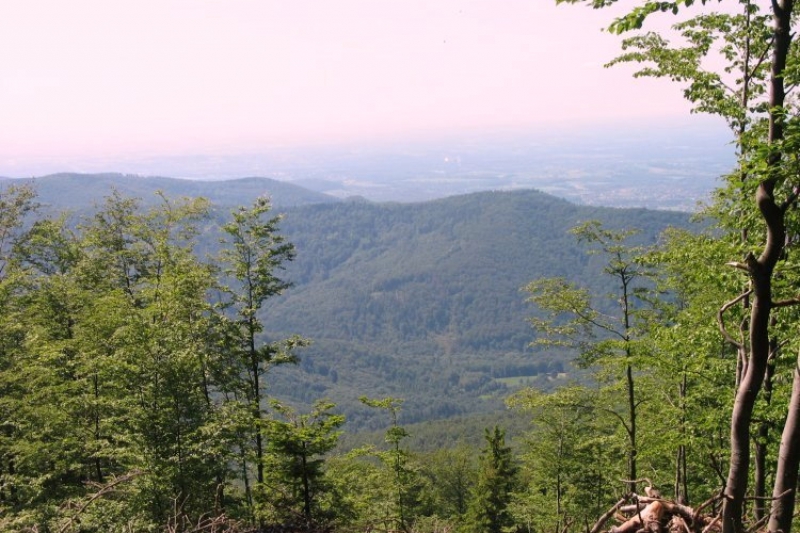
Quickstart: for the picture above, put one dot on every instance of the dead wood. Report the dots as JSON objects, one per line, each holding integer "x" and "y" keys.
{"x": 603, "y": 519}
{"x": 647, "y": 519}
{"x": 647, "y": 514}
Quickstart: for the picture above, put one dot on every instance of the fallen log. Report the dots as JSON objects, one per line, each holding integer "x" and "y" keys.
{"x": 648, "y": 519}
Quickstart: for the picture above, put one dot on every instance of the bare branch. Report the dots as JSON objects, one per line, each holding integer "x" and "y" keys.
{"x": 787, "y": 303}
{"x": 712, "y": 524}
{"x": 603, "y": 519}
{"x": 721, "y": 320}
{"x": 103, "y": 490}
{"x": 706, "y": 503}
{"x": 740, "y": 266}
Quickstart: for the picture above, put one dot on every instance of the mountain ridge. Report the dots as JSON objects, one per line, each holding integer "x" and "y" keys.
{"x": 58, "y": 191}
{"x": 416, "y": 300}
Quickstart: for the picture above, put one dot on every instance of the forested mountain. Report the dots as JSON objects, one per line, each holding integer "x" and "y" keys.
{"x": 140, "y": 380}
{"x": 69, "y": 191}
{"x": 423, "y": 301}
{"x": 420, "y": 301}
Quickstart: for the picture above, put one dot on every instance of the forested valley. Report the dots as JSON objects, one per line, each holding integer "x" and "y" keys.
{"x": 159, "y": 372}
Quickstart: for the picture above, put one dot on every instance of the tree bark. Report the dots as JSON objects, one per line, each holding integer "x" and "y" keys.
{"x": 784, "y": 491}
{"x": 761, "y": 271}
{"x": 760, "y": 448}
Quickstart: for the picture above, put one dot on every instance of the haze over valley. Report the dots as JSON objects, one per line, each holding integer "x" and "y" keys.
{"x": 672, "y": 166}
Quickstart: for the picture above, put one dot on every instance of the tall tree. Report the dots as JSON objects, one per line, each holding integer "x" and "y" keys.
{"x": 762, "y": 194}
{"x": 254, "y": 254}
{"x": 16, "y": 206}
{"x": 606, "y": 340}
{"x": 497, "y": 480}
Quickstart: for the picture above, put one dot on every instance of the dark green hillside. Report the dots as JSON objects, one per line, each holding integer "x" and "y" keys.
{"x": 78, "y": 191}
{"x": 423, "y": 301}
{"x": 447, "y": 273}
{"x": 420, "y": 301}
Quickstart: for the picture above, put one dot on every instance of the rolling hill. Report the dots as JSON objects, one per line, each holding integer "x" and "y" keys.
{"x": 77, "y": 192}
{"x": 419, "y": 301}
{"x": 423, "y": 301}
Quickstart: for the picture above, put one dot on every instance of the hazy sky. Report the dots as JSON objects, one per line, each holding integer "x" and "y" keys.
{"x": 169, "y": 76}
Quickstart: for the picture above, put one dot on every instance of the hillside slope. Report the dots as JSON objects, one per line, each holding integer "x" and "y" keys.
{"x": 423, "y": 301}
{"x": 420, "y": 301}
{"x": 77, "y": 192}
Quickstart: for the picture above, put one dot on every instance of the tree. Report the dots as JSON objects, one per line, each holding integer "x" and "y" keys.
{"x": 759, "y": 59}
{"x": 296, "y": 446}
{"x": 16, "y": 204}
{"x": 123, "y": 384}
{"x": 256, "y": 252}
{"x": 692, "y": 370}
{"x": 604, "y": 340}
{"x": 451, "y": 475}
{"x": 404, "y": 481}
{"x": 497, "y": 480}
{"x": 567, "y": 462}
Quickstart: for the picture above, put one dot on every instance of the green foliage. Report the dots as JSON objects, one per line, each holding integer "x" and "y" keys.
{"x": 432, "y": 295}
{"x": 117, "y": 388}
{"x": 749, "y": 87}
{"x": 401, "y": 501}
{"x": 570, "y": 461}
{"x": 610, "y": 344}
{"x": 405, "y": 300}
{"x": 740, "y": 41}
{"x": 451, "y": 477}
{"x": 297, "y": 488}
{"x": 497, "y": 480}
{"x": 255, "y": 252}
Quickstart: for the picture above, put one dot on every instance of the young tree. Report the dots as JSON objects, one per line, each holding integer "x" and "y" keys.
{"x": 497, "y": 479}
{"x": 296, "y": 448}
{"x": 604, "y": 341}
{"x": 404, "y": 481}
{"x": 568, "y": 460}
{"x": 451, "y": 475}
{"x": 254, "y": 254}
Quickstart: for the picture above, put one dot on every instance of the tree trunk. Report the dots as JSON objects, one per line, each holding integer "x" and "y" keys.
{"x": 631, "y": 431}
{"x": 306, "y": 484}
{"x": 760, "y": 448}
{"x": 681, "y": 485}
{"x": 256, "y": 396}
{"x": 761, "y": 271}
{"x": 784, "y": 491}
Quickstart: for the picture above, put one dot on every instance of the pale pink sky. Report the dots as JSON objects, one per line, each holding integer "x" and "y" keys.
{"x": 175, "y": 76}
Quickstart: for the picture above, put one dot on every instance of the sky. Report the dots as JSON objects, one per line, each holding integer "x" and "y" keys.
{"x": 112, "y": 78}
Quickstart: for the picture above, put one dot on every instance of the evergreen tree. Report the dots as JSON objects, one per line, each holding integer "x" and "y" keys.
{"x": 296, "y": 483}
{"x": 497, "y": 480}
{"x": 401, "y": 485}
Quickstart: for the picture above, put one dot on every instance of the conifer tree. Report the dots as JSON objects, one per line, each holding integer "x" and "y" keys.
{"x": 296, "y": 481}
{"x": 497, "y": 479}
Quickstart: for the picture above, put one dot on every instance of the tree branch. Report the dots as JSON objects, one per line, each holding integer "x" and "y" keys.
{"x": 721, "y": 320}
{"x": 102, "y": 491}
{"x": 603, "y": 519}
